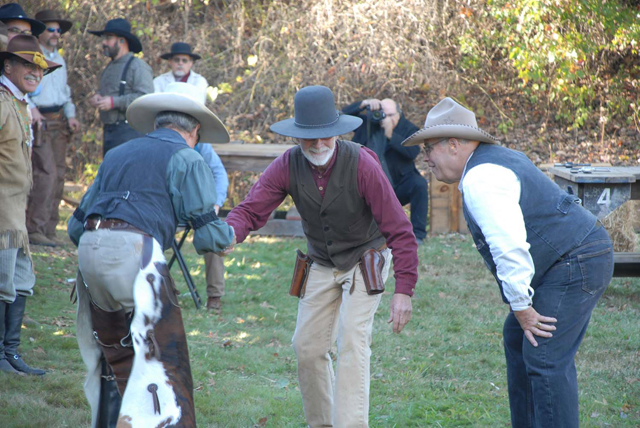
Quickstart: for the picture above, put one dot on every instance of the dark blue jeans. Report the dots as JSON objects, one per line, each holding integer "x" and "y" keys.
{"x": 543, "y": 384}
{"x": 413, "y": 189}
{"x": 116, "y": 134}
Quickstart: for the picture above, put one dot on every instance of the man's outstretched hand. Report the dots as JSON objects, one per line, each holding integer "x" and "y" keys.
{"x": 400, "y": 313}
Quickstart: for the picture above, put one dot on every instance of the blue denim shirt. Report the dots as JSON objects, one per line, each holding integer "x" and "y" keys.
{"x": 219, "y": 173}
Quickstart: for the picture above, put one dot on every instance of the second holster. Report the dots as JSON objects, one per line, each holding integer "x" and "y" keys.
{"x": 372, "y": 264}
{"x": 300, "y": 274}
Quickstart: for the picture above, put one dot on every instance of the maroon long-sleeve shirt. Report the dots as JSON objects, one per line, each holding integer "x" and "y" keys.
{"x": 273, "y": 186}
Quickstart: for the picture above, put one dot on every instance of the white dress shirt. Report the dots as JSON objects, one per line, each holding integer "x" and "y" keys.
{"x": 492, "y": 194}
{"x": 195, "y": 79}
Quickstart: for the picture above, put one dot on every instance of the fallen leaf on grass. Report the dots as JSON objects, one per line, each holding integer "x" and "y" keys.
{"x": 262, "y": 422}
{"x": 266, "y": 305}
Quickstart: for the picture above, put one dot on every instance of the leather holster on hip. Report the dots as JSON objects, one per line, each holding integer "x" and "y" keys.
{"x": 300, "y": 274}
{"x": 371, "y": 264}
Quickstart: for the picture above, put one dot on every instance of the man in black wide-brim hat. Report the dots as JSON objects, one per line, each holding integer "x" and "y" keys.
{"x": 123, "y": 80}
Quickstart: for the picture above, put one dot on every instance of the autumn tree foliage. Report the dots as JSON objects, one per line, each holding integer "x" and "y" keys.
{"x": 541, "y": 74}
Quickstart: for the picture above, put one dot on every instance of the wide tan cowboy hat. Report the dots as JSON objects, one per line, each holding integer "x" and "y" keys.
{"x": 182, "y": 98}
{"x": 27, "y": 47}
{"x": 448, "y": 119}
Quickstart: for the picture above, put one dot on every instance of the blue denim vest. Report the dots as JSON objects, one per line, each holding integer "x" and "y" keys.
{"x": 554, "y": 219}
{"x": 134, "y": 184}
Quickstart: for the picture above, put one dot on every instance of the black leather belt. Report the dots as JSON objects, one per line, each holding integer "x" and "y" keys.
{"x": 52, "y": 109}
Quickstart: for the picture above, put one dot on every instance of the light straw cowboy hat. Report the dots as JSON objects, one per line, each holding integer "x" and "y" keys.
{"x": 315, "y": 116}
{"x": 448, "y": 119}
{"x": 182, "y": 98}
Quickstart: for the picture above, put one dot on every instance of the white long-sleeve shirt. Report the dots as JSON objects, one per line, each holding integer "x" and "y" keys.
{"x": 160, "y": 83}
{"x": 53, "y": 89}
{"x": 492, "y": 194}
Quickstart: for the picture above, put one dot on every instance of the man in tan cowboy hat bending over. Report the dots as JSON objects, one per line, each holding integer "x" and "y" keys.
{"x": 551, "y": 258}
{"x": 126, "y": 307}
{"x": 23, "y": 66}
{"x": 349, "y": 213}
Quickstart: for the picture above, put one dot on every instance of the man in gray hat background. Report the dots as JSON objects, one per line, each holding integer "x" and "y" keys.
{"x": 550, "y": 257}
{"x": 348, "y": 208}
{"x": 143, "y": 189}
{"x": 123, "y": 80}
{"x": 181, "y": 59}
{"x": 53, "y": 101}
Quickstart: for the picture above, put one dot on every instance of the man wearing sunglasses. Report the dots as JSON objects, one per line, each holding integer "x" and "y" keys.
{"x": 53, "y": 100}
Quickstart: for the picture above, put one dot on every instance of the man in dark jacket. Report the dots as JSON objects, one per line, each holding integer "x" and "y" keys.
{"x": 383, "y": 129}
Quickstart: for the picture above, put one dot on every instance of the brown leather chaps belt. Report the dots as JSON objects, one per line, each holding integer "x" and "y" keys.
{"x": 110, "y": 223}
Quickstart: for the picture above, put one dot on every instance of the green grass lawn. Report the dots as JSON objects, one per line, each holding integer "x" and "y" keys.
{"x": 446, "y": 369}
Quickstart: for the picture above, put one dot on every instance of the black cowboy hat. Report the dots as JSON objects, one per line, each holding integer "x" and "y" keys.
{"x": 316, "y": 116}
{"x": 27, "y": 47}
{"x": 180, "y": 48}
{"x": 14, "y": 12}
{"x": 50, "y": 15}
{"x": 121, "y": 27}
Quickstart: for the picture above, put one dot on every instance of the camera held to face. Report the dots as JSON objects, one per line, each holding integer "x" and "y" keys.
{"x": 375, "y": 116}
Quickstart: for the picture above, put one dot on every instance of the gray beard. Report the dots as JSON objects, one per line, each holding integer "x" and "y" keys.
{"x": 320, "y": 161}
{"x": 179, "y": 74}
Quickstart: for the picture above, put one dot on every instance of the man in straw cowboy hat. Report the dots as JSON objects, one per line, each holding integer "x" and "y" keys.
{"x": 551, "y": 258}
{"x": 129, "y": 215}
{"x": 181, "y": 59}
{"x": 348, "y": 210}
{"x": 23, "y": 66}
{"x": 53, "y": 101}
{"x": 17, "y": 22}
{"x": 123, "y": 80}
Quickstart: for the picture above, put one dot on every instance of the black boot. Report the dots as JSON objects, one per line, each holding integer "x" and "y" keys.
{"x": 4, "y": 364}
{"x": 13, "y": 323}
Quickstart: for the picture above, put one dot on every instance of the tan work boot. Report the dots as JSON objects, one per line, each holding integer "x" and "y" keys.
{"x": 55, "y": 240}
{"x": 214, "y": 304}
{"x": 40, "y": 239}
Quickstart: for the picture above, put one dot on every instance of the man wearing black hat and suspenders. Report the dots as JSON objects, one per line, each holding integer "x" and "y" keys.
{"x": 123, "y": 80}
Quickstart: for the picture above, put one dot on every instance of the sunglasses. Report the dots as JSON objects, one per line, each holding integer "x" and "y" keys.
{"x": 181, "y": 60}
{"x": 16, "y": 30}
{"x": 54, "y": 30}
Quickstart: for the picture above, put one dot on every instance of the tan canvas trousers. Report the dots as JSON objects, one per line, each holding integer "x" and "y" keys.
{"x": 329, "y": 313}
{"x": 214, "y": 267}
{"x": 49, "y": 166}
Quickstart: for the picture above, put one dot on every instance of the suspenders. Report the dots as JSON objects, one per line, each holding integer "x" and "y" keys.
{"x": 123, "y": 78}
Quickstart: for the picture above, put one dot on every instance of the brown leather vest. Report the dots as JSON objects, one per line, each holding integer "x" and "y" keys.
{"x": 340, "y": 226}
